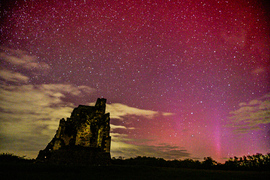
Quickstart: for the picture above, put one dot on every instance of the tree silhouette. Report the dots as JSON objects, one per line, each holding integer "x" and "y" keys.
{"x": 251, "y": 162}
{"x": 208, "y": 163}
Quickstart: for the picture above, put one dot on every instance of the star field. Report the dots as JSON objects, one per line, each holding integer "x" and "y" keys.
{"x": 183, "y": 79}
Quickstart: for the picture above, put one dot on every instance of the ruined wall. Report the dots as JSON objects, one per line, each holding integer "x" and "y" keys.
{"x": 87, "y": 130}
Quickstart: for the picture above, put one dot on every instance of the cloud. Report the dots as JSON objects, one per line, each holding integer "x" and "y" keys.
{"x": 128, "y": 144}
{"x": 13, "y": 76}
{"x": 43, "y": 101}
{"x": 122, "y": 146}
{"x": 251, "y": 115}
{"x": 30, "y": 116}
{"x": 30, "y": 113}
{"x": 113, "y": 127}
{"x": 22, "y": 59}
{"x": 122, "y": 112}
{"x": 167, "y": 152}
{"x": 66, "y": 88}
{"x": 119, "y": 111}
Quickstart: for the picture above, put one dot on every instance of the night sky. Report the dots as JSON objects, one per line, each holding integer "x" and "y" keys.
{"x": 182, "y": 79}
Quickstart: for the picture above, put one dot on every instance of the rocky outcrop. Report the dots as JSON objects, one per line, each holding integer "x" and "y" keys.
{"x": 84, "y": 138}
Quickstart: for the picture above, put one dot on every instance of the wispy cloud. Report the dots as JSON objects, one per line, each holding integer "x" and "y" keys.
{"x": 119, "y": 111}
{"x": 113, "y": 127}
{"x": 32, "y": 113}
{"x": 22, "y": 59}
{"x": 251, "y": 114}
{"x": 123, "y": 146}
{"x": 126, "y": 145}
{"x": 11, "y": 76}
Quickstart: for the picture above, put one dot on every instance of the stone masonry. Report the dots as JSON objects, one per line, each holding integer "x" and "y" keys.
{"x": 84, "y": 138}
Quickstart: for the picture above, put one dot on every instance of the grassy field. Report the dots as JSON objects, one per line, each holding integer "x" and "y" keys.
{"x": 30, "y": 171}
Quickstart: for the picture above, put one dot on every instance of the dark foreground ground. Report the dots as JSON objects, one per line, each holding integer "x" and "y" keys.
{"x": 30, "y": 171}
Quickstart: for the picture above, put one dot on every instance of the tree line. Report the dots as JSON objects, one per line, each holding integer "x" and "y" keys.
{"x": 257, "y": 162}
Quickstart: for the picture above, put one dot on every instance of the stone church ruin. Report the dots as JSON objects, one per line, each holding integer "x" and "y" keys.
{"x": 84, "y": 138}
